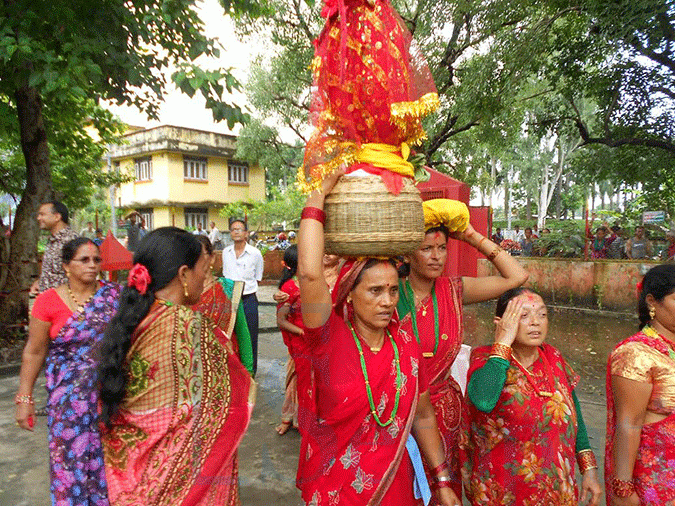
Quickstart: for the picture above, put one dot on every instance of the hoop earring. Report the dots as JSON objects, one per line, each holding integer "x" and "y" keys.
{"x": 185, "y": 290}
{"x": 652, "y": 312}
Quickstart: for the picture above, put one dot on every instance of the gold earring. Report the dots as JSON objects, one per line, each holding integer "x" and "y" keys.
{"x": 652, "y": 312}
{"x": 349, "y": 299}
{"x": 185, "y": 290}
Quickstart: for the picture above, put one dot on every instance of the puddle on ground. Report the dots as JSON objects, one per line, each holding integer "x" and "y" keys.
{"x": 584, "y": 339}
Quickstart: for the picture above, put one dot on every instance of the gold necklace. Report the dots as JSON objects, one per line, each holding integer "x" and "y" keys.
{"x": 77, "y": 304}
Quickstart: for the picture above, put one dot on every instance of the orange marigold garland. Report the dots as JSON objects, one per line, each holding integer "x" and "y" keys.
{"x": 371, "y": 88}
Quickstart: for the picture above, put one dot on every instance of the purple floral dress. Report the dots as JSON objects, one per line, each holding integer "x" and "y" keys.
{"x": 75, "y": 452}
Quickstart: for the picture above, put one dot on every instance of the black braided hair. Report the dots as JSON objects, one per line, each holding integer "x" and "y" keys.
{"x": 163, "y": 251}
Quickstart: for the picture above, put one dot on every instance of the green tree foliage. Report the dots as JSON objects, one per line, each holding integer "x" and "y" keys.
{"x": 282, "y": 206}
{"x": 57, "y": 61}
{"x": 278, "y": 88}
{"x": 589, "y": 76}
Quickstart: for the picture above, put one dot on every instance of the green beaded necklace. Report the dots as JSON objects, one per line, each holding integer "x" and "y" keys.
{"x": 365, "y": 377}
{"x": 413, "y": 315}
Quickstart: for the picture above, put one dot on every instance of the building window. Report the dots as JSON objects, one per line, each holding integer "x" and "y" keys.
{"x": 148, "y": 218}
{"x": 143, "y": 168}
{"x": 194, "y": 215}
{"x": 237, "y": 172}
{"x": 195, "y": 168}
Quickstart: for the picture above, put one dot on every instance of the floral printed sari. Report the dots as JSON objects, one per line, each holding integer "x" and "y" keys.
{"x": 523, "y": 452}
{"x": 446, "y": 395}
{"x": 345, "y": 456}
{"x": 75, "y": 452}
{"x": 188, "y": 403}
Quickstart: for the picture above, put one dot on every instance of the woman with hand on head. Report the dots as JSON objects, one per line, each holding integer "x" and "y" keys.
{"x": 66, "y": 326}
{"x": 640, "y": 448}
{"x": 176, "y": 402}
{"x": 430, "y": 308}
{"x": 370, "y": 392}
{"x": 526, "y": 424}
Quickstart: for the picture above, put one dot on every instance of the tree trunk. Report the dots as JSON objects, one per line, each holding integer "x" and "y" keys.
{"x": 507, "y": 200}
{"x": 23, "y": 242}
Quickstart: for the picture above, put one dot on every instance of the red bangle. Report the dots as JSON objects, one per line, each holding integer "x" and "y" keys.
{"x": 439, "y": 469}
{"x": 314, "y": 213}
{"x": 622, "y": 488}
{"x": 436, "y": 485}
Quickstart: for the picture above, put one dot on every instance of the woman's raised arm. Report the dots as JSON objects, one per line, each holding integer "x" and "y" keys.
{"x": 314, "y": 293}
{"x": 482, "y": 289}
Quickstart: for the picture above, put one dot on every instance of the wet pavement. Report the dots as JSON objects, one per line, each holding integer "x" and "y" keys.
{"x": 267, "y": 461}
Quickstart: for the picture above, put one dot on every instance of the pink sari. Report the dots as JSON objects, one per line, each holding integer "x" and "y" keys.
{"x": 345, "y": 456}
{"x": 446, "y": 395}
{"x": 188, "y": 403}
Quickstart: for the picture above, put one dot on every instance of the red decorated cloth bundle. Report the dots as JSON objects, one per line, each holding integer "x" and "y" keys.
{"x": 371, "y": 88}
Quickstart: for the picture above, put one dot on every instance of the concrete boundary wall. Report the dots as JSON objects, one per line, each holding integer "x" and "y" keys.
{"x": 601, "y": 284}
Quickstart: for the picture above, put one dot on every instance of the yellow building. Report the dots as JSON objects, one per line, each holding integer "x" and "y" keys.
{"x": 183, "y": 176}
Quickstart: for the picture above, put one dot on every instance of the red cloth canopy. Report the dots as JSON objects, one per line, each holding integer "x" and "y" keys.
{"x": 115, "y": 256}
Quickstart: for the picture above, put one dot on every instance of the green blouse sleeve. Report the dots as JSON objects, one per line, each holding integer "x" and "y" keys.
{"x": 486, "y": 384}
{"x": 582, "y": 442}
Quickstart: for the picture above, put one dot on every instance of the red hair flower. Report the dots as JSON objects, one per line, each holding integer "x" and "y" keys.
{"x": 139, "y": 278}
{"x": 638, "y": 288}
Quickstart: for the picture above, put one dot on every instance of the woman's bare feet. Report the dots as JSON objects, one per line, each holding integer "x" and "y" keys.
{"x": 283, "y": 427}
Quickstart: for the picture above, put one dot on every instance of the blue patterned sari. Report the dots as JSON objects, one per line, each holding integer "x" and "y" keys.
{"x": 75, "y": 452}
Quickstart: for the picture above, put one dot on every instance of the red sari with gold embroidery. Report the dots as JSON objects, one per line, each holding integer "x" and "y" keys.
{"x": 188, "y": 402}
{"x": 345, "y": 456}
{"x": 446, "y": 394}
{"x": 523, "y": 452}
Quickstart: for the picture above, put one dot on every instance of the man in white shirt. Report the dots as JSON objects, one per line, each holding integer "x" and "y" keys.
{"x": 243, "y": 262}
{"x": 199, "y": 230}
{"x": 214, "y": 236}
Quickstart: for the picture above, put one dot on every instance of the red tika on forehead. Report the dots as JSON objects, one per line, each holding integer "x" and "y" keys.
{"x": 437, "y": 235}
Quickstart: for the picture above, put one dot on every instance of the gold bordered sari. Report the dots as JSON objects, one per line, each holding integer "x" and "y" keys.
{"x": 188, "y": 403}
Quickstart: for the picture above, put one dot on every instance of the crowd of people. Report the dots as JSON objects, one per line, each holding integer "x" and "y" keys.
{"x": 150, "y": 386}
{"x": 604, "y": 243}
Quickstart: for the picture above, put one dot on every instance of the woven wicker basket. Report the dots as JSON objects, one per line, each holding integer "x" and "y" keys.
{"x": 364, "y": 219}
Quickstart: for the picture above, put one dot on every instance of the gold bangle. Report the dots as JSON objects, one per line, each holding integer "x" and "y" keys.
{"x": 24, "y": 399}
{"x": 586, "y": 460}
{"x": 501, "y": 350}
{"x": 494, "y": 253}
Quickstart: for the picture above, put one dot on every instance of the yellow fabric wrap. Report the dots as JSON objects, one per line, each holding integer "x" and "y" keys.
{"x": 451, "y": 213}
{"x": 385, "y": 156}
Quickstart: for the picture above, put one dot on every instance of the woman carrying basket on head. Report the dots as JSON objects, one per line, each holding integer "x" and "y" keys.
{"x": 430, "y": 307}
{"x": 370, "y": 394}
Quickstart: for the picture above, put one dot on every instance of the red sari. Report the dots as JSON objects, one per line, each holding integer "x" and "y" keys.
{"x": 188, "y": 402}
{"x": 345, "y": 456}
{"x": 523, "y": 452}
{"x": 295, "y": 345}
{"x": 446, "y": 394}
{"x": 654, "y": 471}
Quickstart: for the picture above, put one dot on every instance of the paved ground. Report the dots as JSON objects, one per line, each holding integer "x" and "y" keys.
{"x": 267, "y": 461}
